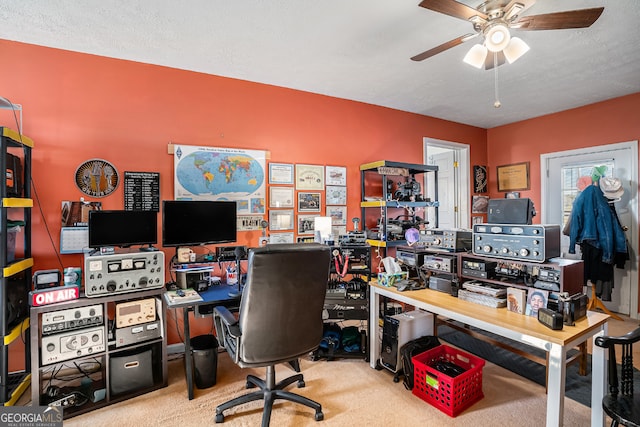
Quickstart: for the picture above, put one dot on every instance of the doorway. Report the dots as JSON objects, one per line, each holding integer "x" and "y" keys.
{"x": 560, "y": 172}
{"x": 452, "y": 159}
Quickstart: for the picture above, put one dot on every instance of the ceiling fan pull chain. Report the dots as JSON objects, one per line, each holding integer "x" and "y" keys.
{"x": 497, "y": 103}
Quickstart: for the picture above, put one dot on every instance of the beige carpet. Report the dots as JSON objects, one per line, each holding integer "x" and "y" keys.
{"x": 351, "y": 393}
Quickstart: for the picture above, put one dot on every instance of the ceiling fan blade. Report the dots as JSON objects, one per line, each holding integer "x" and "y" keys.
{"x": 489, "y": 63}
{"x": 560, "y": 20}
{"x": 452, "y": 8}
{"x": 444, "y": 46}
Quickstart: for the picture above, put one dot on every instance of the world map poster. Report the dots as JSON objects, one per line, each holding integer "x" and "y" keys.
{"x": 209, "y": 173}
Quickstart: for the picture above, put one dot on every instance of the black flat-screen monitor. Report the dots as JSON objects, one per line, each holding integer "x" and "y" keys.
{"x": 122, "y": 228}
{"x": 198, "y": 222}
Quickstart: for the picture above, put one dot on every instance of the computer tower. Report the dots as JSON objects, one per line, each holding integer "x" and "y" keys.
{"x": 399, "y": 329}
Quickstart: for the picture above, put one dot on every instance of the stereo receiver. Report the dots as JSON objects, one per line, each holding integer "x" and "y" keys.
{"x": 139, "y": 333}
{"x": 59, "y": 321}
{"x": 411, "y": 256}
{"x": 132, "y": 313}
{"x": 69, "y": 345}
{"x": 479, "y": 268}
{"x": 446, "y": 240}
{"x": 119, "y": 273}
{"x": 533, "y": 243}
{"x": 443, "y": 263}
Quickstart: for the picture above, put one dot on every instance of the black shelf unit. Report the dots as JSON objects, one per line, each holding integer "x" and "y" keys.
{"x": 379, "y": 200}
{"x": 347, "y": 297}
{"x": 95, "y": 371}
{"x": 15, "y": 256}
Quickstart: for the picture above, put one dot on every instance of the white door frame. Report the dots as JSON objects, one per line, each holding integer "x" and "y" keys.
{"x": 633, "y": 207}
{"x": 462, "y": 197}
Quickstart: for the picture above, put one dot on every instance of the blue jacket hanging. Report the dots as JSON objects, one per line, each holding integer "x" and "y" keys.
{"x": 593, "y": 222}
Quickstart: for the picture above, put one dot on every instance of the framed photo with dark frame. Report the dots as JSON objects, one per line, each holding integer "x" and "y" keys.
{"x": 513, "y": 177}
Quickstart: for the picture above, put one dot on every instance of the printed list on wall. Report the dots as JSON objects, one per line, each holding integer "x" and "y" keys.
{"x": 142, "y": 191}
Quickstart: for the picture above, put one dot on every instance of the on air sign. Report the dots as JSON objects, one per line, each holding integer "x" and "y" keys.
{"x": 53, "y": 295}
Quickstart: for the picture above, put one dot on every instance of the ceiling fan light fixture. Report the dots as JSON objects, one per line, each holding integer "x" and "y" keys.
{"x": 476, "y": 56}
{"x": 515, "y": 49}
{"x": 497, "y": 37}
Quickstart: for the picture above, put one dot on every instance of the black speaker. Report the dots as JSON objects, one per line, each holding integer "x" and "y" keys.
{"x": 131, "y": 371}
{"x": 17, "y": 294}
{"x": 510, "y": 211}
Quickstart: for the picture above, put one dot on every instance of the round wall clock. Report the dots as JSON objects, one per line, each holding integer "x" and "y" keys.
{"x": 97, "y": 178}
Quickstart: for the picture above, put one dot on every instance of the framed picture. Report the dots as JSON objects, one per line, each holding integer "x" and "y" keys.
{"x": 513, "y": 177}
{"x": 479, "y": 204}
{"x": 336, "y": 175}
{"x": 477, "y": 219}
{"x": 512, "y": 195}
{"x": 536, "y": 299}
{"x": 336, "y": 195}
{"x": 306, "y": 224}
{"x": 479, "y": 179}
{"x": 338, "y": 214}
{"x": 281, "y": 220}
{"x": 281, "y": 238}
{"x": 280, "y": 197}
{"x": 309, "y": 177}
{"x": 280, "y": 173}
{"x": 308, "y": 202}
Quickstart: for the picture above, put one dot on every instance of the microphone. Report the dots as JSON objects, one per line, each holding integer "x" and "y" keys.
{"x": 239, "y": 251}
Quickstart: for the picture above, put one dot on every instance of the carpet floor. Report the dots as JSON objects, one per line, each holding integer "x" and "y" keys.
{"x": 351, "y": 394}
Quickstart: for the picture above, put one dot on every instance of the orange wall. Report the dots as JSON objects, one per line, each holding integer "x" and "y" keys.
{"x": 79, "y": 107}
{"x": 603, "y": 123}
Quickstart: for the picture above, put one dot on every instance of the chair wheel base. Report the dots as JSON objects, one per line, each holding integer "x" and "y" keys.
{"x": 301, "y": 384}
{"x": 219, "y": 418}
{"x": 319, "y": 416}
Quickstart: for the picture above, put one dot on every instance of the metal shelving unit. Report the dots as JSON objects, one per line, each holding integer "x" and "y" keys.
{"x": 14, "y": 313}
{"x": 380, "y": 199}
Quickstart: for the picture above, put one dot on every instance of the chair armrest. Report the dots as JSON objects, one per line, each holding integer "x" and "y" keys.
{"x": 629, "y": 338}
{"x": 225, "y": 315}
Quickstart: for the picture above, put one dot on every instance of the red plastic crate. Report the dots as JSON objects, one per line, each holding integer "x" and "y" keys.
{"x": 451, "y": 395}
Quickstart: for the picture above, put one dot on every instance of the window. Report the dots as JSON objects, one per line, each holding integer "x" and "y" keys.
{"x": 570, "y": 175}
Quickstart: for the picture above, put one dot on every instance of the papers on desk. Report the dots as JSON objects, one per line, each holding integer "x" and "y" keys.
{"x": 182, "y": 296}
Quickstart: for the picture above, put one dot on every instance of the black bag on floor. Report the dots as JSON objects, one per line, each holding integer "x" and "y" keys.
{"x": 412, "y": 348}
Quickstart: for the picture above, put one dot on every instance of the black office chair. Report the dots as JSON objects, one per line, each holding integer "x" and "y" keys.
{"x": 621, "y": 403}
{"x": 280, "y": 319}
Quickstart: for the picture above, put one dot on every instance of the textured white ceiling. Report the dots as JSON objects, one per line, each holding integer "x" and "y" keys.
{"x": 352, "y": 49}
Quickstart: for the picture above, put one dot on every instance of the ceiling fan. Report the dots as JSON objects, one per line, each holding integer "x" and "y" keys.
{"x": 493, "y": 19}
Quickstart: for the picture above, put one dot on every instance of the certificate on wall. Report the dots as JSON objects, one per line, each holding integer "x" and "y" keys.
{"x": 336, "y": 195}
{"x": 513, "y": 177}
{"x": 280, "y": 220}
{"x": 281, "y": 238}
{"x": 280, "y": 173}
{"x": 309, "y": 177}
{"x": 336, "y": 175}
{"x": 280, "y": 197}
{"x": 338, "y": 214}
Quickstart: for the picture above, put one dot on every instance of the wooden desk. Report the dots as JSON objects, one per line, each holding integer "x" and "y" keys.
{"x": 524, "y": 329}
{"x": 216, "y": 295}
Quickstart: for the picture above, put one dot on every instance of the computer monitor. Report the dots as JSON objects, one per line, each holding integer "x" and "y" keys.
{"x": 198, "y": 222}
{"x": 122, "y": 228}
